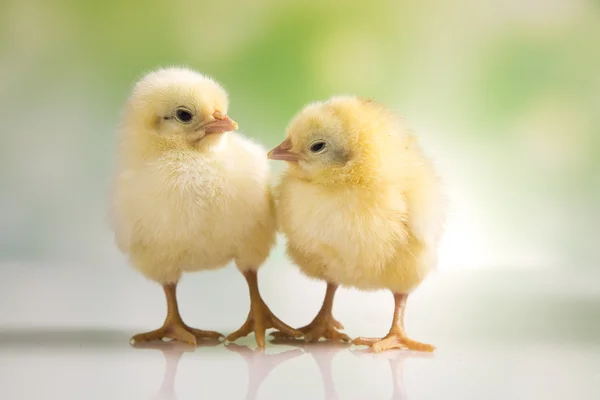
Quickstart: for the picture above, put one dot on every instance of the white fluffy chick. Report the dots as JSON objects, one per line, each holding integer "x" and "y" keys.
{"x": 190, "y": 195}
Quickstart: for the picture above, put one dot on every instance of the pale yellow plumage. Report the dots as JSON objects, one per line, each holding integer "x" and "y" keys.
{"x": 367, "y": 211}
{"x": 186, "y": 199}
{"x": 180, "y": 207}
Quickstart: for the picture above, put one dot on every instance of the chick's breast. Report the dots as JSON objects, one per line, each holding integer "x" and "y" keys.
{"x": 192, "y": 211}
{"x": 350, "y": 237}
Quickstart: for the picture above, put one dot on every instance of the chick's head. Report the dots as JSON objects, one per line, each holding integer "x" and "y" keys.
{"x": 339, "y": 140}
{"x": 178, "y": 104}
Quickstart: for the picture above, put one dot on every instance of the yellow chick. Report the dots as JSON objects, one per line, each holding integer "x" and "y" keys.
{"x": 190, "y": 195}
{"x": 361, "y": 206}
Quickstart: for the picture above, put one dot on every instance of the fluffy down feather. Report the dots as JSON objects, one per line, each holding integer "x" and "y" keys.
{"x": 367, "y": 213}
{"x": 182, "y": 205}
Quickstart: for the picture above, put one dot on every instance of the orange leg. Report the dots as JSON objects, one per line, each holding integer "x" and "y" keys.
{"x": 260, "y": 318}
{"x": 174, "y": 327}
{"x": 396, "y": 338}
{"x": 323, "y": 325}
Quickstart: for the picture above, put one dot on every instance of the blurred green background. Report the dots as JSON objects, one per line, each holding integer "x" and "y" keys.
{"x": 505, "y": 96}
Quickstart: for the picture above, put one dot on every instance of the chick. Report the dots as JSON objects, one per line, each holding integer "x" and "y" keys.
{"x": 190, "y": 195}
{"x": 361, "y": 206}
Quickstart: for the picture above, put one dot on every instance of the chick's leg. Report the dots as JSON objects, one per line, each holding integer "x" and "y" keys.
{"x": 323, "y": 325}
{"x": 174, "y": 327}
{"x": 396, "y": 338}
{"x": 260, "y": 318}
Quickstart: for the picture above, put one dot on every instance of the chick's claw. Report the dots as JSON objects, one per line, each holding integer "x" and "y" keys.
{"x": 364, "y": 341}
{"x": 244, "y": 330}
{"x": 324, "y": 328}
{"x": 171, "y": 331}
{"x": 176, "y": 331}
{"x": 259, "y": 320}
{"x": 337, "y": 324}
{"x": 321, "y": 327}
{"x": 204, "y": 335}
{"x": 393, "y": 341}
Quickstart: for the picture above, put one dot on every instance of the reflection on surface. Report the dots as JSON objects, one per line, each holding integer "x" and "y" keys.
{"x": 81, "y": 363}
{"x": 500, "y": 335}
{"x": 322, "y": 353}
{"x": 260, "y": 364}
{"x": 172, "y": 352}
{"x": 396, "y": 360}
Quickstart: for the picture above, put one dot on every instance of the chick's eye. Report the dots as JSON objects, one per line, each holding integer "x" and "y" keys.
{"x": 317, "y": 147}
{"x": 183, "y": 115}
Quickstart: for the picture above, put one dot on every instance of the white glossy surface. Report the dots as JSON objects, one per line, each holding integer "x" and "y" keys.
{"x": 500, "y": 335}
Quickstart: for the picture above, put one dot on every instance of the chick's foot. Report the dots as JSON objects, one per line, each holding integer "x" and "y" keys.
{"x": 324, "y": 325}
{"x": 260, "y": 318}
{"x": 177, "y": 330}
{"x": 174, "y": 327}
{"x": 396, "y": 338}
{"x": 393, "y": 341}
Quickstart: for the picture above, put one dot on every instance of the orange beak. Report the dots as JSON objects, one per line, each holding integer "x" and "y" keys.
{"x": 283, "y": 153}
{"x": 221, "y": 124}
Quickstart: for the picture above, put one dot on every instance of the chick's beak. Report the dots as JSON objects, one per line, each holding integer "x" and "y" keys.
{"x": 221, "y": 124}
{"x": 283, "y": 153}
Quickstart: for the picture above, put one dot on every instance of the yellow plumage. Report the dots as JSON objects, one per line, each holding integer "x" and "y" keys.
{"x": 188, "y": 194}
{"x": 181, "y": 206}
{"x": 365, "y": 210}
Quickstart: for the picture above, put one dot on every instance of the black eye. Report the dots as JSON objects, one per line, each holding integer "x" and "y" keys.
{"x": 317, "y": 147}
{"x": 184, "y": 116}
